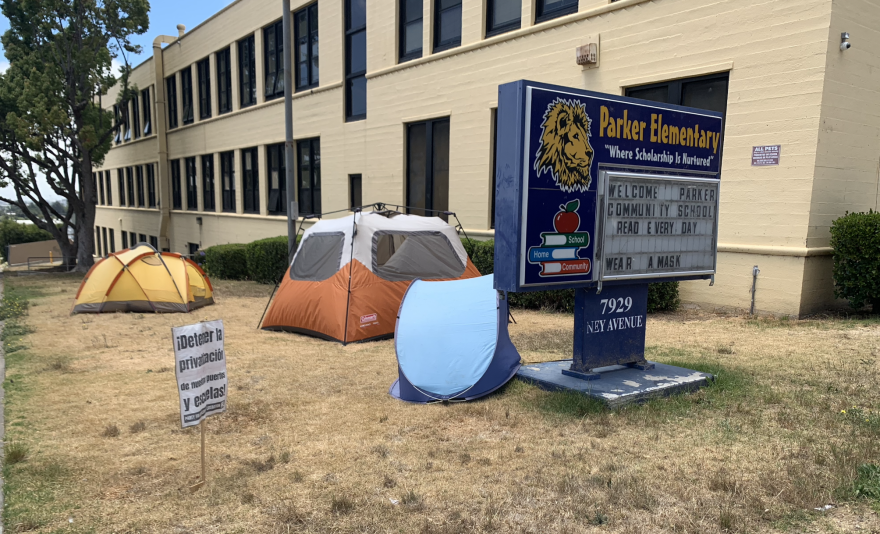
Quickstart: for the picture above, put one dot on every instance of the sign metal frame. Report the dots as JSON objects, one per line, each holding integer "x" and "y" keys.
{"x": 604, "y": 183}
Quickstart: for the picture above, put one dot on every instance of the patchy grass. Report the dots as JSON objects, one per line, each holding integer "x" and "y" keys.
{"x": 15, "y": 452}
{"x": 312, "y": 442}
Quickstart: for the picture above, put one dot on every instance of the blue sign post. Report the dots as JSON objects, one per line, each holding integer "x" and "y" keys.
{"x": 603, "y": 194}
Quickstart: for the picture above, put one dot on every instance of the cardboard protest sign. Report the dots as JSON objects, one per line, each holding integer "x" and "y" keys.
{"x": 200, "y": 366}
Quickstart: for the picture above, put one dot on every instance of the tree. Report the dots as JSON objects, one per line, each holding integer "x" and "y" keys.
{"x": 52, "y": 124}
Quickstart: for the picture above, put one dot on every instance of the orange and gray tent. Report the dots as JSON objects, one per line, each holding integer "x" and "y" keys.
{"x": 141, "y": 279}
{"x": 348, "y": 275}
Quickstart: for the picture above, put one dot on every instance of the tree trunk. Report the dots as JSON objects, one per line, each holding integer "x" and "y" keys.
{"x": 85, "y": 217}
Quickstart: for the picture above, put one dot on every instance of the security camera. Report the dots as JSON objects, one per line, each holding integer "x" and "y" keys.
{"x": 845, "y": 46}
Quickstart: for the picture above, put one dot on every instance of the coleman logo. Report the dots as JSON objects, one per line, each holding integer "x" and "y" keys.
{"x": 369, "y": 318}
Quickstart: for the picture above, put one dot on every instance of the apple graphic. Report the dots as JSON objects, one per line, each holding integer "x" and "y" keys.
{"x": 567, "y": 220}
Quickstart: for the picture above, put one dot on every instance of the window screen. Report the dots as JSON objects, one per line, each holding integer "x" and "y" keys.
{"x": 399, "y": 256}
{"x": 319, "y": 257}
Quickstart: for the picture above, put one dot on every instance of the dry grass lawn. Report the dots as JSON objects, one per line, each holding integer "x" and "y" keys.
{"x": 312, "y": 442}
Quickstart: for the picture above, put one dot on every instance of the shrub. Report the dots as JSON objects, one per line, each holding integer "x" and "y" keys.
{"x": 13, "y": 233}
{"x": 661, "y": 296}
{"x": 267, "y": 259}
{"x": 228, "y": 262}
{"x": 855, "y": 238}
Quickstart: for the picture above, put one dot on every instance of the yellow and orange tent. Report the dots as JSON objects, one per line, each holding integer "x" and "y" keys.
{"x": 141, "y": 279}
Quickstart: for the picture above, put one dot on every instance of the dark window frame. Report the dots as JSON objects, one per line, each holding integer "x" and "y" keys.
{"x": 203, "y": 68}
{"x": 224, "y": 81}
{"x": 247, "y": 73}
{"x": 129, "y": 186}
{"x": 439, "y": 45}
{"x": 120, "y": 181}
{"x": 112, "y": 241}
{"x": 142, "y": 238}
{"x": 314, "y": 178}
{"x": 404, "y": 20}
{"x": 108, "y": 183}
{"x": 509, "y": 26}
{"x": 171, "y": 99}
{"x": 154, "y": 242}
{"x": 101, "y": 200}
{"x": 104, "y": 248}
{"x": 192, "y": 190}
{"x": 355, "y": 198}
{"x": 275, "y": 163}
{"x": 227, "y": 181}
{"x": 151, "y": 185}
{"x": 132, "y": 238}
{"x": 117, "y": 121}
{"x": 430, "y": 208}
{"x": 352, "y": 77}
{"x": 135, "y": 117}
{"x": 209, "y": 202}
{"x": 250, "y": 181}
{"x": 273, "y": 60}
{"x": 186, "y": 96}
{"x": 139, "y": 184}
{"x": 542, "y": 14}
{"x": 312, "y": 40}
{"x": 124, "y": 239}
{"x": 176, "y": 186}
{"x": 147, "y": 108}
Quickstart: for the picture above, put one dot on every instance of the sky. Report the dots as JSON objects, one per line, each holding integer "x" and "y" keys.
{"x": 165, "y": 15}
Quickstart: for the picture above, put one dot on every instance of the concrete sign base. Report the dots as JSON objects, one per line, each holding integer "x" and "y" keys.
{"x": 620, "y": 385}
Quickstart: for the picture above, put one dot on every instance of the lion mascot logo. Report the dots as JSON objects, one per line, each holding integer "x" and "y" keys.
{"x": 565, "y": 150}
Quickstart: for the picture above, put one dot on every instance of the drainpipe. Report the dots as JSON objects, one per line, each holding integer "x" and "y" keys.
{"x": 162, "y": 174}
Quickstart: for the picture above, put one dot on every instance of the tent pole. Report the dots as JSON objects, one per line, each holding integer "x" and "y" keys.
{"x": 278, "y": 282}
{"x": 350, "y": 271}
{"x": 274, "y": 289}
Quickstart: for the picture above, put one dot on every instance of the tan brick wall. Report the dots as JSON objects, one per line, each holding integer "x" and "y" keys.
{"x": 777, "y": 53}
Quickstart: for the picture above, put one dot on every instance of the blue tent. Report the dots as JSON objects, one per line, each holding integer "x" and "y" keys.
{"x": 452, "y": 342}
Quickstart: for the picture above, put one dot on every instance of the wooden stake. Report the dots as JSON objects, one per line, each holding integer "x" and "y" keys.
{"x": 195, "y": 487}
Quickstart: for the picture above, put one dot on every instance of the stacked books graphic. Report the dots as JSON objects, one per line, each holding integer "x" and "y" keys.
{"x": 558, "y": 254}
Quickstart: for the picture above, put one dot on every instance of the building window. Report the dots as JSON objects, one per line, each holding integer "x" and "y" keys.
{"x": 309, "y": 176}
{"x": 247, "y": 72}
{"x": 112, "y": 241}
{"x": 146, "y": 105}
{"x": 273, "y": 60}
{"x": 171, "y": 100}
{"x": 104, "y": 248}
{"x": 154, "y": 241}
{"x": 101, "y": 188}
{"x": 97, "y": 247}
{"x": 193, "y": 248}
{"x": 277, "y": 179}
{"x": 186, "y": 89}
{"x": 204, "y": 69}
{"x": 120, "y": 181}
{"x": 250, "y": 180}
{"x": 176, "y": 197}
{"x": 224, "y": 81}
{"x": 129, "y": 186}
{"x": 355, "y": 196}
{"x": 703, "y": 92}
{"x": 139, "y": 183}
{"x": 306, "y": 39}
{"x": 355, "y": 60}
{"x": 192, "y": 201}
{"x": 550, "y": 9}
{"x": 136, "y": 117}
{"x": 142, "y": 238}
{"x": 117, "y": 121}
{"x": 124, "y": 239}
{"x": 109, "y": 185}
{"x": 411, "y": 14}
{"x": 208, "y": 183}
{"x": 447, "y": 24}
{"x": 427, "y": 167}
{"x": 503, "y": 16}
{"x": 151, "y": 185}
{"x": 123, "y": 109}
{"x": 227, "y": 179}
{"x": 132, "y": 239}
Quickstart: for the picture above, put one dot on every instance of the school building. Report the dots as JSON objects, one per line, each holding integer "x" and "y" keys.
{"x": 394, "y": 101}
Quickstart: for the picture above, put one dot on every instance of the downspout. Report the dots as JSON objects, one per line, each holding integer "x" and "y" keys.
{"x": 162, "y": 175}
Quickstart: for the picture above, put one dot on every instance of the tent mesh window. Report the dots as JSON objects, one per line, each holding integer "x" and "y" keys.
{"x": 319, "y": 257}
{"x": 400, "y": 256}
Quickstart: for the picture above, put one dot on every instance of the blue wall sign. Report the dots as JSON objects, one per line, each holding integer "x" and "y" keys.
{"x": 553, "y": 142}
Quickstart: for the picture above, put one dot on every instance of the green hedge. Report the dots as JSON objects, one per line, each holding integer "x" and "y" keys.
{"x": 661, "y": 297}
{"x": 13, "y": 233}
{"x": 855, "y": 238}
{"x": 267, "y": 259}
{"x": 227, "y": 262}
